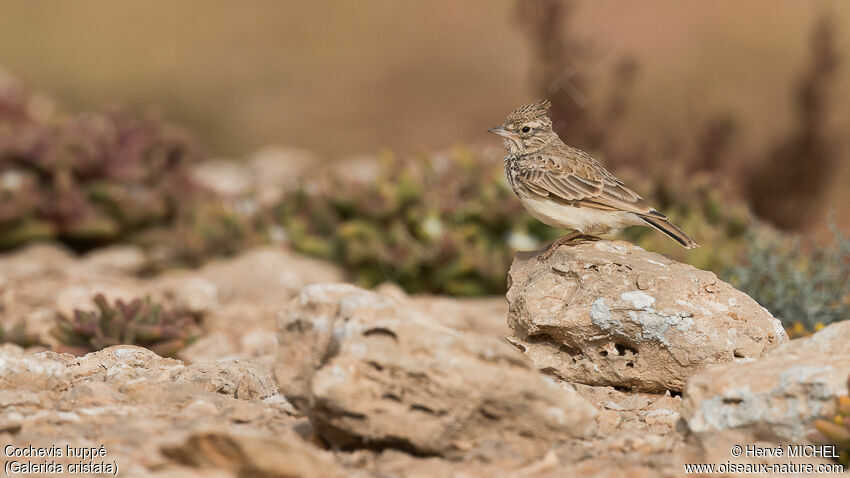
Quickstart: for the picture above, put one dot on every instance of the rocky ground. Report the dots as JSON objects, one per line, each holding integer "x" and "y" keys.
{"x": 605, "y": 360}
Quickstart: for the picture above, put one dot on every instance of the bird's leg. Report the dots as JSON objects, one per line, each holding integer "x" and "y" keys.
{"x": 587, "y": 238}
{"x": 560, "y": 242}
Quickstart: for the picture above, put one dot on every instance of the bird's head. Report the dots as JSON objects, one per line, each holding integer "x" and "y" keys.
{"x": 527, "y": 129}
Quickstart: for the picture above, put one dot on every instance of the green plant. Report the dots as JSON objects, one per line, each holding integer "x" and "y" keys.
{"x": 141, "y": 322}
{"x": 449, "y": 224}
{"x": 836, "y": 431}
{"x": 696, "y": 203}
{"x": 430, "y": 223}
{"x": 18, "y": 335}
{"x": 796, "y": 280}
{"x": 205, "y": 227}
{"x": 86, "y": 179}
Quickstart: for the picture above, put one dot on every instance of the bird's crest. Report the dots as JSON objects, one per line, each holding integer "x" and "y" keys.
{"x": 530, "y": 112}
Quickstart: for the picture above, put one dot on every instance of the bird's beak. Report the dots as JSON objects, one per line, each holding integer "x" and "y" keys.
{"x": 498, "y": 130}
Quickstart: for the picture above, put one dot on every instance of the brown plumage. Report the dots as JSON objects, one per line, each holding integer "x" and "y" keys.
{"x": 565, "y": 187}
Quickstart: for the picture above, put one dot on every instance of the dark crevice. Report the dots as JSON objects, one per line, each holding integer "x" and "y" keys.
{"x": 570, "y": 275}
{"x": 541, "y": 338}
{"x": 330, "y": 352}
{"x": 380, "y": 331}
{"x": 488, "y": 415}
{"x": 298, "y": 326}
{"x": 552, "y": 372}
{"x": 622, "y": 349}
{"x": 348, "y": 442}
{"x": 423, "y": 408}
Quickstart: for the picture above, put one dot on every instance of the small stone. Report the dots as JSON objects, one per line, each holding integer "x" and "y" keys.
{"x": 200, "y": 408}
{"x": 195, "y": 295}
{"x": 608, "y": 421}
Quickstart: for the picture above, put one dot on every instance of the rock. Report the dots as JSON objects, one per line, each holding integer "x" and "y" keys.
{"x": 119, "y": 259}
{"x": 194, "y": 295}
{"x": 371, "y": 373}
{"x": 126, "y": 366}
{"x": 246, "y": 454}
{"x": 774, "y": 398}
{"x": 208, "y": 348}
{"x": 484, "y": 315}
{"x": 237, "y": 378}
{"x": 81, "y": 296}
{"x": 610, "y": 313}
{"x": 223, "y": 177}
{"x": 39, "y": 372}
{"x": 34, "y": 261}
{"x": 264, "y": 177}
{"x": 280, "y": 169}
{"x": 267, "y": 274}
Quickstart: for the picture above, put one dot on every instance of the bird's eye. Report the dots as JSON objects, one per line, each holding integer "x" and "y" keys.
{"x": 525, "y": 129}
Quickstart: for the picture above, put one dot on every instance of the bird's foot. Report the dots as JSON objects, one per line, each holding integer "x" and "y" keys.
{"x": 568, "y": 240}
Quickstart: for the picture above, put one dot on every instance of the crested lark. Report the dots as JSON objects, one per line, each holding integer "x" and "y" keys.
{"x": 566, "y": 188}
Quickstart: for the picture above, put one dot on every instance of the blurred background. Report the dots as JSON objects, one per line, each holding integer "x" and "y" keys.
{"x": 732, "y": 116}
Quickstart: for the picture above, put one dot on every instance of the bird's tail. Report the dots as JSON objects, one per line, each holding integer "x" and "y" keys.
{"x": 674, "y": 232}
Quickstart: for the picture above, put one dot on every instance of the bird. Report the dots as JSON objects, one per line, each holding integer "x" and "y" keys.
{"x": 565, "y": 187}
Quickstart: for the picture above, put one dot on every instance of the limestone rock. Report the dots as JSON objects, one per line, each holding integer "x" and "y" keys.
{"x": 774, "y": 398}
{"x": 251, "y": 454}
{"x": 480, "y": 315}
{"x": 267, "y": 274}
{"x": 371, "y": 373}
{"x": 610, "y": 313}
{"x": 40, "y": 372}
{"x": 194, "y": 295}
{"x": 118, "y": 259}
{"x": 124, "y": 365}
{"x": 237, "y": 378}
{"x": 34, "y": 261}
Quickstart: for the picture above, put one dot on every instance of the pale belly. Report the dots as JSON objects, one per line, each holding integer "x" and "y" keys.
{"x": 583, "y": 219}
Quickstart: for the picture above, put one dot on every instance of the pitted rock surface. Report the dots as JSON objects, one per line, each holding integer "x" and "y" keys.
{"x": 371, "y": 373}
{"x": 774, "y": 398}
{"x": 611, "y": 313}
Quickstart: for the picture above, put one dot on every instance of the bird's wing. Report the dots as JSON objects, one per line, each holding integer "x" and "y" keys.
{"x": 581, "y": 182}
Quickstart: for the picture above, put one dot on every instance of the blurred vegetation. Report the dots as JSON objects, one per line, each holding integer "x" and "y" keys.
{"x": 86, "y": 179}
{"x": 92, "y": 179}
{"x": 447, "y": 223}
{"x": 429, "y": 223}
{"x": 836, "y": 431}
{"x": 450, "y": 224}
{"x": 805, "y": 285}
{"x": 18, "y": 335}
{"x": 785, "y": 184}
{"x": 205, "y": 227}
{"x": 141, "y": 322}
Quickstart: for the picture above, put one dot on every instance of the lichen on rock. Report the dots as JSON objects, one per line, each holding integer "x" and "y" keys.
{"x": 610, "y": 313}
